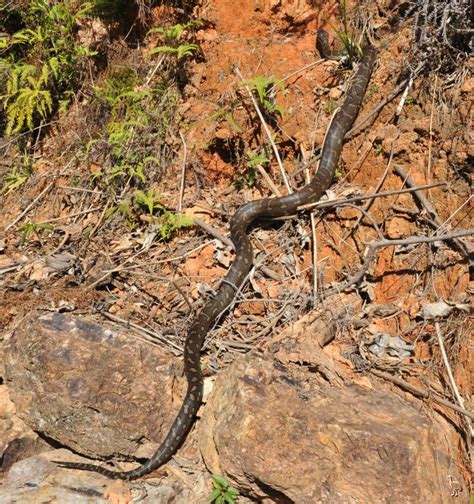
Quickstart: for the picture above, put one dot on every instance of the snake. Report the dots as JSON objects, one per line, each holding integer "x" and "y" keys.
{"x": 243, "y": 262}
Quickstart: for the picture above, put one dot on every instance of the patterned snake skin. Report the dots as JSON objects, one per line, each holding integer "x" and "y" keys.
{"x": 245, "y": 215}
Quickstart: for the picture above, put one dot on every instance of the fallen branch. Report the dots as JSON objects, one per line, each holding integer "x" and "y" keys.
{"x": 452, "y": 382}
{"x": 183, "y": 173}
{"x": 342, "y": 201}
{"x": 377, "y": 189}
{"x": 371, "y": 248}
{"x": 31, "y": 205}
{"x": 421, "y": 393}
{"x": 424, "y": 202}
{"x": 213, "y": 232}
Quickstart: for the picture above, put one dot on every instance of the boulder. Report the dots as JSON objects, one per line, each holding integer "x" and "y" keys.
{"x": 99, "y": 392}
{"x": 281, "y": 434}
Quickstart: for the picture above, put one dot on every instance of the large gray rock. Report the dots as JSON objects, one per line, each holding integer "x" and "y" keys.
{"x": 37, "y": 480}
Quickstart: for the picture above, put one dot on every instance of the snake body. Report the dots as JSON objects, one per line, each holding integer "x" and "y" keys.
{"x": 235, "y": 277}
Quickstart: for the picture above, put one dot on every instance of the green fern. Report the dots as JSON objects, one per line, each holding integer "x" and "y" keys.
{"x": 262, "y": 86}
{"x": 180, "y": 51}
{"x": 147, "y": 200}
{"x": 170, "y": 223}
{"x": 176, "y": 31}
{"x": 128, "y": 114}
{"x": 14, "y": 180}
{"x": 172, "y": 36}
{"x": 27, "y": 96}
{"x": 31, "y": 227}
{"x": 41, "y": 63}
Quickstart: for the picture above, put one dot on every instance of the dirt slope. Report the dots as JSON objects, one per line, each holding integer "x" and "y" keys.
{"x": 93, "y": 264}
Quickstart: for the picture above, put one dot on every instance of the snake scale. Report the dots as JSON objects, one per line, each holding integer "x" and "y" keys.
{"x": 235, "y": 277}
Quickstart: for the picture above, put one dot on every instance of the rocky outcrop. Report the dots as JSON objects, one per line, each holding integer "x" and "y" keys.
{"x": 286, "y": 426}
{"x": 279, "y": 433}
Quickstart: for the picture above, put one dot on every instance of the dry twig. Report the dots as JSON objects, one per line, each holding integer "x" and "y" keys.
{"x": 183, "y": 173}
{"x": 452, "y": 382}
{"x": 421, "y": 393}
{"x": 377, "y": 189}
{"x": 371, "y": 248}
{"x": 428, "y": 207}
{"x": 267, "y": 131}
{"x": 31, "y": 205}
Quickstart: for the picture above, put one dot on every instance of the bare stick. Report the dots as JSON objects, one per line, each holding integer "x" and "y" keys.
{"x": 421, "y": 393}
{"x": 342, "y": 201}
{"x": 268, "y": 180}
{"x": 430, "y": 142}
{"x": 315, "y": 249}
{"x": 377, "y": 189}
{"x": 80, "y": 189}
{"x": 457, "y": 210}
{"x": 423, "y": 239}
{"x": 452, "y": 382}
{"x": 213, "y": 232}
{"x": 428, "y": 207}
{"x": 296, "y": 72}
{"x": 119, "y": 268}
{"x": 183, "y": 173}
{"x": 404, "y": 97}
{"x": 267, "y": 131}
{"x": 157, "y": 66}
{"x": 154, "y": 335}
{"x": 371, "y": 248}
{"x": 31, "y": 205}
{"x": 162, "y": 261}
{"x": 77, "y": 214}
{"x": 99, "y": 222}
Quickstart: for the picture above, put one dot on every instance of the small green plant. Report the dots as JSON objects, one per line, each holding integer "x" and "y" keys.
{"x": 410, "y": 100}
{"x": 124, "y": 208}
{"x": 373, "y": 89}
{"x": 128, "y": 128}
{"x": 16, "y": 178}
{"x": 172, "y": 37}
{"x": 175, "y": 32}
{"x": 169, "y": 223}
{"x": 179, "y": 51}
{"x": 263, "y": 86}
{"x": 351, "y": 47}
{"x": 255, "y": 160}
{"x": 330, "y": 106}
{"x": 223, "y": 492}
{"x": 31, "y": 227}
{"x": 378, "y": 148}
{"x": 147, "y": 200}
{"x": 250, "y": 176}
{"x": 166, "y": 222}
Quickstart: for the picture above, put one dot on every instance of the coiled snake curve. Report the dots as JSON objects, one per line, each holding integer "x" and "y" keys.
{"x": 245, "y": 215}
